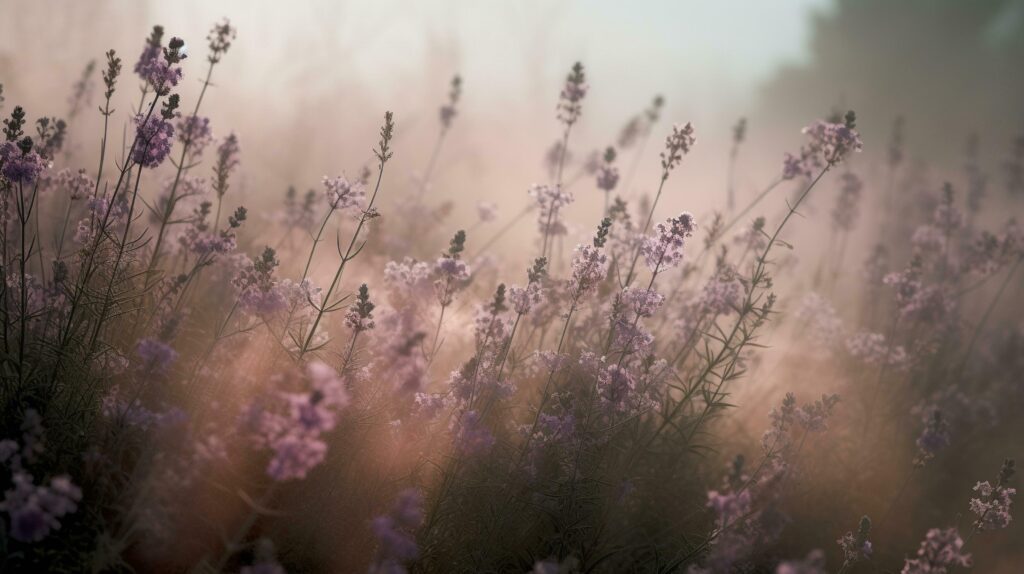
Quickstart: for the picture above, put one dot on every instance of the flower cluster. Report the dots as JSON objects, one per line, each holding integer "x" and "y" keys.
{"x": 343, "y": 194}
{"x": 664, "y": 250}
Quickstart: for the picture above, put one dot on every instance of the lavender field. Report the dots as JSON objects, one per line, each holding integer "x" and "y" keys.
{"x": 309, "y": 314}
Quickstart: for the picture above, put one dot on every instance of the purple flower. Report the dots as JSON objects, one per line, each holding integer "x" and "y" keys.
{"x": 934, "y": 437}
{"x": 451, "y": 275}
{"x": 570, "y": 102}
{"x": 992, "y": 506}
{"x": 154, "y": 137}
{"x": 550, "y": 200}
{"x": 665, "y": 249}
{"x": 472, "y": 437}
{"x": 677, "y": 144}
{"x": 21, "y": 164}
{"x": 35, "y": 511}
{"x": 295, "y": 455}
{"x": 589, "y": 267}
{"x": 940, "y": 551}
{"x": 343, "y": 194}
{"x": 156, "y": 355}
{"x": 195, "y": 132}
{"x": 394, "y": 532}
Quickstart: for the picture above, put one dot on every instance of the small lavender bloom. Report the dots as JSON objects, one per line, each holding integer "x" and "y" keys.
{"x": 607, "y": 173}
{"x": 940, "y": 551}
{"x": 227, "y": 161}
{"x": 450, "y": 110}
{"x": 873, "y": 349}
{"x": 814, "y": 417}
{"x": 156, "y": 355}
{"x": 570, "y": 103}
{"x": 195, "y": 132}
{"x": 77, "y": 184}
{"x": 677, "y": 144}
{"x": 155, "y": 136}
{"x": 524, "y": 299}
{"x": 589, "y": 267}
{"x": 35, "y": 511}
{"x": 616, "y": 388}
{"x": 359, "y": 317}
{"x": 295, "y": 454}
{"x": 150, "y": 52}
{"x": 472, "y": 437}
{"x": 394, "y": 532}
{"x": 992, "y": 506}
{"x": 343, "y": 194}
{"x": 642, "y": 302}
{"x": 934, "y": 437}
{"x": 813, "y": 564}
{"x": 21, "y": 164}
{"x": 550, "y": 200}
{"x": 665, "y": 249}
{"x": 834, "y": 140}
{"x": 450, "y": 276}
{"x": 856, "y": 546}
{"x": 220, "y": 38}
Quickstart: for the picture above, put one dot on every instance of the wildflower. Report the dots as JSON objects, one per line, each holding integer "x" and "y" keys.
{"x": 220, "y": 38}
{"x": 524, "y": 299}
{"x": 227, "y": 161}
{"x": 721, "y": 294}
{"x": 472, "y": 437}
{"x": 934, "y": 437}
{"x": 570, "y": 103}
{"x": 939, "y": 551}
{"x": 343, "y": 194}
{"x": 194, "y": 132}
{"x": 776, "y": 437}
{"x": 154, "y": 135}
{"x": 394, "y": 532}
{"x": 834, "y": 140}
{"x": 295, "y": 455}
{"x": 814, "y": 417}
{"x": 549, "y": 201}
{"x": 359, "y": 317}
{"x": 449, "y": 110}
{"x": 34, "y": 510}
{"x": 642, "y": 302}
{"x": 451, "y": 273}
{"x": 156, "y": 65}
{"x": 677, "y": 144}
{"x": 156, "y": 355}
{"x": 607, "y": 173}
{"x": 77, "y": 184}
{"x": 992, "y": 506}
{"x": 828, "y": 143}
{"x": 616, "y": 387}
{"x": 665, "y": 249}
{"x": 856, "y": 547}
{"x": 873, "y": 349}
{"x": 589, "y": 267}
{"x": 21, "y": 164}
{"x": 150, "y": 52}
